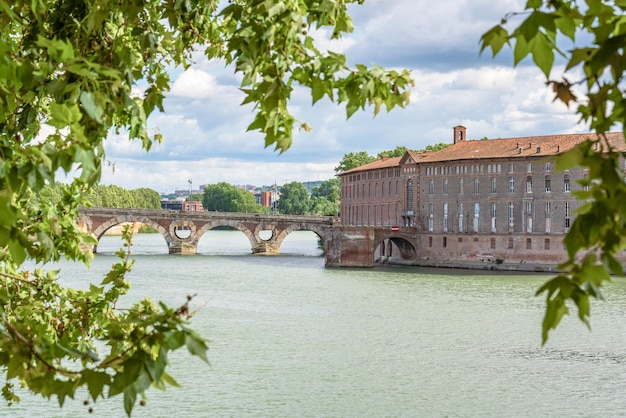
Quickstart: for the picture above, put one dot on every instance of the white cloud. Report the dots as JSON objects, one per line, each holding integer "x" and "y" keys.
{"x": 194, "y": 84}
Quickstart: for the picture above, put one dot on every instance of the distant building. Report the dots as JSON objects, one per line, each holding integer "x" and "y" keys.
{"x": 474, "y": 200}
{"x": 265, "y": 199}
{"x": 171, "y": 204}
{"x": 193, "y": 206}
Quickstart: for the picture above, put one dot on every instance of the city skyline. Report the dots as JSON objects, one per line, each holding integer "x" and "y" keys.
{"x": 205, "y": 128}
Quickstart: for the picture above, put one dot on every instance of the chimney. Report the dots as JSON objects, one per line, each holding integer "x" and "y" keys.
{"x": 384, "y": 157}
{"x": 459, "y": 134}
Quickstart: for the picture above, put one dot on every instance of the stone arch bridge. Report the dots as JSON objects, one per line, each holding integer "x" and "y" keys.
{"x": 182, "y": 230}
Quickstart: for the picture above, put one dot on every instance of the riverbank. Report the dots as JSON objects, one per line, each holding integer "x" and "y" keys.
{"x": 475, "y": 265}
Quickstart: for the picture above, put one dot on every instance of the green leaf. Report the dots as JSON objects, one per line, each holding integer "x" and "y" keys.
{"x": 543, "y": 55}
{"x": 17, "y": 251}
{"x": 130, "y": 397}
{"x": 95, "y": 381}
{"x": 63, "y": 115}
{"x": 196, "y": 346}
{"x": 93, "y": 110}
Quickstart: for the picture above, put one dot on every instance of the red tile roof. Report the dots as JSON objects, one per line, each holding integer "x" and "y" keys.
{"x": 496, "y": 148}
{"x": 516, "y": 147}
{"x": 382, "y": 163}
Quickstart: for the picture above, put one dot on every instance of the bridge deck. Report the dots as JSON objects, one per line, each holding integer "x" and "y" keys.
{"x": 205, "y": 216}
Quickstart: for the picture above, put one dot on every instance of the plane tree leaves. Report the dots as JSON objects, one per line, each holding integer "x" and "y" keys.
{"x": 71, "y": 73}
{"x": 594, "y": 62}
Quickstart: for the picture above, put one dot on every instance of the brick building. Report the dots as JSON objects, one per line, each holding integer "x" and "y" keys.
{"x": 476, "y": 200}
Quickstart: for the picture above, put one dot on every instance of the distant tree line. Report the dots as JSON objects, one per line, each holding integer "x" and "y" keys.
{"x": 295, "y": 199}
{"x": 112, "y": 196}
{"x": 357, "y": 159}
{"x": 323, "y": 201}
{"x": 224, "y": 197}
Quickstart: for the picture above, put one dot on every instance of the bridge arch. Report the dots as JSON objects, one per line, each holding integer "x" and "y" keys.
{"x": 395, "y": 248}
{"x": 318, "y": 230}
{"x": 105, "y": 226}
{"x": 230, "y": 223}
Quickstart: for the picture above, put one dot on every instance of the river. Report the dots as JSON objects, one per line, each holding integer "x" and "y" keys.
{"x": 290, "y": 338}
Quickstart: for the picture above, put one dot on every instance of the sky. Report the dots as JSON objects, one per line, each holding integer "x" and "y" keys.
{"x": 205, "y": 127}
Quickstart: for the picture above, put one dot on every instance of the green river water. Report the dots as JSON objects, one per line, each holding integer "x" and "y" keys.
{"x": 290, "y": 338}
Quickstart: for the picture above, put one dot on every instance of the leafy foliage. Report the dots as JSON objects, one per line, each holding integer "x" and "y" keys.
{"x": 354, "y": 160}
{"x": 597, "y": 32}
{"x": 49, "y": 336}
{"x": 113, "y": 196}
{"x": 435, "y": 147}
{"x": 70, "y": 73}
{"x": 224, "y": 197}
{"x": 326, "y": 198}
{"x": 294, "y": 199}
{"x": 398, "y": 152}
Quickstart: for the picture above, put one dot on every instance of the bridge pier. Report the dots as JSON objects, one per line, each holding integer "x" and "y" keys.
{"x": 266, "y": 248}
{"x": 182, "y": 247}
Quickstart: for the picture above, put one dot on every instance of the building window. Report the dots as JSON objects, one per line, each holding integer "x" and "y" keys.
{"x": 460, "y": 239}
{"x": 445, "y": 242}
{"x": 511, "y": 215}
{"x": 476, "y": 186}
{"x": 409, "y": 195}
{"x": 461, "y": 185}
{"x": 510, "y": 243}
{"x": 529, "y": 244}
{"x": 548, "y": 167}
{"x": 548, "y": 185}
{"x": 493, "y": 185}
{"x": 511, "y": 184}
{"x": 566, "y": 185}
{"x": 567, "y": 216}
{"x": 529, "y": 168}
{"x": 476, "y": 215}
{"x": 510, "y": 167}
{"x": 445, "y": 186}
{"x": 493, "y": 244}
{"x": 493, "y": 216}
{"x": 460, "y": 217}
{"x": 430, "y": 241}
{"x": 546, "y": 244}
{"x": 529, "y": 216}
{"x": 431, "y": 187}
{"x": 431, "y": 217}
{"x": 445, "y": 217}
{"x": 529, "y": 184}
{"x": 548, "y": 217}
